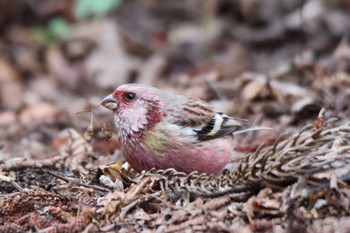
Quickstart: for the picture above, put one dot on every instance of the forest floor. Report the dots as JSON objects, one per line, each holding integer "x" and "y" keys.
{"x": 279, "y": 64}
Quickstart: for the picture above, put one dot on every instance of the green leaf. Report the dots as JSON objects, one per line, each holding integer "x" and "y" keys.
{"x": 86, "y": 8}
{"x": 58, "y": 27}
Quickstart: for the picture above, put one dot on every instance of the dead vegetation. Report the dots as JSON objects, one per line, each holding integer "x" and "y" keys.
{"x": 280, "y": 64}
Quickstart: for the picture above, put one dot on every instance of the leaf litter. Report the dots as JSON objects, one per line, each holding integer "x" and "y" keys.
{"x": 284, "y": 67}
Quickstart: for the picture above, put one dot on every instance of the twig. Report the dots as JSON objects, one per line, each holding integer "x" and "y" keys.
{"x": 32, "y": 163}
{"x": 130, "y": 206}
{"x": 62, "y": 177}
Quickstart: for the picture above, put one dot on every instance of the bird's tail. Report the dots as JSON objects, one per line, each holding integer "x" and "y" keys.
{"x": 251, "y": 129}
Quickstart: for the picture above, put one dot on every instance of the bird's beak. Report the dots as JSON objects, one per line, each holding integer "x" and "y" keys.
{"x": 110, "y": 102}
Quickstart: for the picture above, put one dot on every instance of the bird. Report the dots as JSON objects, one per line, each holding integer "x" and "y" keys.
{"x": 160, "y": 130}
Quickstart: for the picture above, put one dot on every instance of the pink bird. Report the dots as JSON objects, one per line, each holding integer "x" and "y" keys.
{"x": 161, "y": 130}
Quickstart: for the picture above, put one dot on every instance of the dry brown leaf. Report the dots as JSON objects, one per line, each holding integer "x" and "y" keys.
{"x": 319, "y": 123}
{"x": 89, "y": 132}
{"x": 11, "y": 88}
{"x": 262, "y": 204}
{"x": 116, "y": 174}
{"x": 151, "y": 70}
{"x": 281, "y": 90}
{"x": 39, "y": 113}
{"x": 66, "y": 72}
{"x": 113, "y": 202}
{"x": 7, "y": 118}
{"x": 257, "y": 90}
{"x": 107, "y": 131}
{"x": 108, "y": 65}
{"x": 216, "y": 203}
{"x": 72, "y": 145}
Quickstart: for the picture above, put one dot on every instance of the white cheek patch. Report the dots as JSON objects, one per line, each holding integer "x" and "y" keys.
{"x": 130, "y": 120}
{"x": 118, "y": 122}
{"x": 134, "y": 128}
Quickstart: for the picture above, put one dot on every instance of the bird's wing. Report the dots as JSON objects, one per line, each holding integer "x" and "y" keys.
{"x": 204, "y": 121}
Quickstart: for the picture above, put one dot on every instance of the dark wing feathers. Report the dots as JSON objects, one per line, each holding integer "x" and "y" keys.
{"x": 206, "y": 123}
{"x": 219, "y": 126}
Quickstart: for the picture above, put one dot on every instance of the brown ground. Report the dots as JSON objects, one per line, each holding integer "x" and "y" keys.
{"x": 276, "y": 63}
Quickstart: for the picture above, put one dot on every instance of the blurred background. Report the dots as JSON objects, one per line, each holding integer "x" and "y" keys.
{"x": 273, "y": 62}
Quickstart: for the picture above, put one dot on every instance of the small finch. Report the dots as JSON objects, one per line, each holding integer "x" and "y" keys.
{"x": 160, "y": 130}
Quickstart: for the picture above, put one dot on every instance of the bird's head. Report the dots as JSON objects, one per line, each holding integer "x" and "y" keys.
{"x": 123, "y": 97}
{"x": 136, "y": 107}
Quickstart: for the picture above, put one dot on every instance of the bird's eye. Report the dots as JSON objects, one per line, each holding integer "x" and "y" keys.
{"x": 130, "y": 96}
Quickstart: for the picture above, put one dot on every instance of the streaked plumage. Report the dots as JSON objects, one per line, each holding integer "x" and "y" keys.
{"x": 161, "y": 130}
